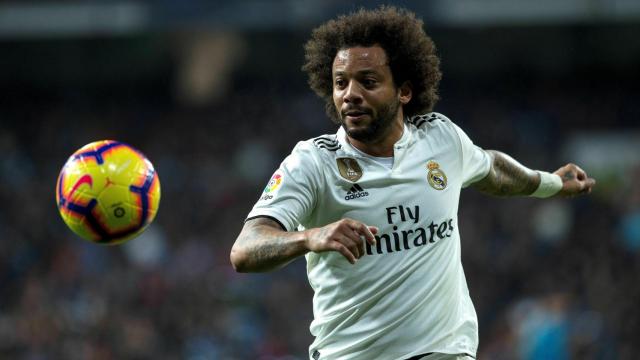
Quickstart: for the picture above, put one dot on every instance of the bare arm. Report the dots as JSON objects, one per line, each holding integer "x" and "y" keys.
{"x": 263, "y": 245}
{"x": 507, "y": 177}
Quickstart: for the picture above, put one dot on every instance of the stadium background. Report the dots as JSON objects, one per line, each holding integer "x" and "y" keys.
{"x": 213, "y": 94}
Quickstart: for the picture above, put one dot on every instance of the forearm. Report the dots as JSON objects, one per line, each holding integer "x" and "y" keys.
{"x": 263, "y": 246}
{"x": 508, "y": 177}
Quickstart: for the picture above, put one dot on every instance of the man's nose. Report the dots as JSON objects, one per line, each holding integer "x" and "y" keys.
{"x": 353, "y": 93}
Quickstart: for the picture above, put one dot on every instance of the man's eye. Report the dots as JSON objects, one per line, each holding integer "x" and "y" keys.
{"x": 369, "y": 82}
{"x": 340, "y": 83}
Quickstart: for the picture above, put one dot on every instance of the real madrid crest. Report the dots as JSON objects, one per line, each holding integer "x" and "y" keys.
{"x": 437, "y": 178}
{"x": 349, "y": 169}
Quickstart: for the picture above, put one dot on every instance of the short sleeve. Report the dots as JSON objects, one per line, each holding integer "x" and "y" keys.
{"x": 290, "y": 194}
{"x": 476, "y": 163}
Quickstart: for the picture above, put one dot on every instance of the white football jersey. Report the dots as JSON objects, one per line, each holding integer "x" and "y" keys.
{"x": 408, "y": 294}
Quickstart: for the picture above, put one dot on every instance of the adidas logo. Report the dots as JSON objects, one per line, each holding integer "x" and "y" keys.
{"x": 355, "y": 192}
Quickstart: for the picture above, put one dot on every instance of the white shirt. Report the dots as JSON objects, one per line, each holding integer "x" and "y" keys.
{"x": 408, "y": 295}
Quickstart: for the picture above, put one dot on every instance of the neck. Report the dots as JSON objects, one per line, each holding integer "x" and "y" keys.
{"x": 384, "y": 146}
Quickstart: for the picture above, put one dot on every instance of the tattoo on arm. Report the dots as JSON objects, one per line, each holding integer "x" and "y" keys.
{"x": 508, "y": 177}
{"x": 265, "y": 246}
{"x": 264, "y": 250}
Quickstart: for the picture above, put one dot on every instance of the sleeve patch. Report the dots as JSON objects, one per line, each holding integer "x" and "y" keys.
{"x": 272, "y": 186}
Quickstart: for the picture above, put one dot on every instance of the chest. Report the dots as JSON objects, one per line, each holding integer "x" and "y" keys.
{"x": 422, "y": 186}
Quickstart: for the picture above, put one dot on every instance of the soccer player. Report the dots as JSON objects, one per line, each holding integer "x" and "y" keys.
{"x": 375, "y": 204}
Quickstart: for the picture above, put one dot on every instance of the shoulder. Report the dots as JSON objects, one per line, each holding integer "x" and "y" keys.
{"x": 432, "y": 125}
{"x": 326, "y": 143}
{"x": 438, "y": 129}
{"x": 429, "y": 120}
{"x": 311, "y": 152}
{"x": 319, "y": 147}
{"x": 432, "y": 120}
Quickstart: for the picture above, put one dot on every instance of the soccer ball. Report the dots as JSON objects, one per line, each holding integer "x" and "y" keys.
{"x": 108, "y": 192}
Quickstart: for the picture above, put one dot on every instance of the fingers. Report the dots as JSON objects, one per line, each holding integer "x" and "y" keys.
{"x": 590, "y": 182}
{"x": 570, "y": 172}
{"x": 576, "y": 181}
{"x": 588, "y": 185}
{"x": 345, "y": 236}
{"x": 354, "y": 244}
{"x": 357, "y": 233}
{"x": 336, "y": 246}
{"x": 585, "y": 183}
{"x": 580, "y": 174}
{"x": 365, "y": 231}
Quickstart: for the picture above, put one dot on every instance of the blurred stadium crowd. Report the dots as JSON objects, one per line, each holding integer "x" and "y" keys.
{"x": 554, "y": 279}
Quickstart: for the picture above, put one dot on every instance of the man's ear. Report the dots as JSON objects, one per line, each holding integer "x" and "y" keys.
{"x": 405, "y": 92}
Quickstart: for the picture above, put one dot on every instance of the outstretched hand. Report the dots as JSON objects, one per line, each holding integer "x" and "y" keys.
{"x": 575, "y": 181}
{"x": 344, "y": 236}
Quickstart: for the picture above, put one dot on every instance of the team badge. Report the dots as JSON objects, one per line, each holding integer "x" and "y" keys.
{"x": 349, "y": 169}
{"x": 437, "y": 178}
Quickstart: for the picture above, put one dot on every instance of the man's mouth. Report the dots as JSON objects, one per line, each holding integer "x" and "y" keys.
{"x": 355, "y": 114}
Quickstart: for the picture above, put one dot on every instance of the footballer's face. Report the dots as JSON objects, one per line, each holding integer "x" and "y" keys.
{"x": 367, "y": 100}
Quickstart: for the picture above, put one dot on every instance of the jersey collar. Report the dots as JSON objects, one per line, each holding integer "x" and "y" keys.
{"x": 349, "y": 149}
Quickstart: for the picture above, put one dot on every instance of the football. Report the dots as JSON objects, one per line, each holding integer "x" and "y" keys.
{"x": 108, "y": 192}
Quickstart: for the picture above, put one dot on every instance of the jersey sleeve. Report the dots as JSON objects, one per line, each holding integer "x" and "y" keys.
{"x": 290, "y": 194}
{"x": 476, "y": 163}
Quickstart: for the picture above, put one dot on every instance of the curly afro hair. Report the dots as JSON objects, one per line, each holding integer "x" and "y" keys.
{"x": 411, "y": 53}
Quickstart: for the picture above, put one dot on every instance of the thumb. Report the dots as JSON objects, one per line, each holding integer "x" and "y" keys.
{"x": 588, "y": 184}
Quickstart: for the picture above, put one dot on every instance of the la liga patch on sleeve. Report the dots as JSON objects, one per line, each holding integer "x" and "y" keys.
{"x": 272, "y": 186}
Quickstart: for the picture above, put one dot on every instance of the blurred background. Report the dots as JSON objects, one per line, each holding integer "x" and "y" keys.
{"x": 213, "y": 94}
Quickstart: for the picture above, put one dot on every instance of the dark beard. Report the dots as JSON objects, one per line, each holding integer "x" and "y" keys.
{"x": 379, "y": 126}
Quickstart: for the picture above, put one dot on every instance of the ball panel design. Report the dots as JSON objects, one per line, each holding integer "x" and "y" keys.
{"x": 154, "y": 197}
{"x": 108, "y": 192}
{"x": 115, "y": 211}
